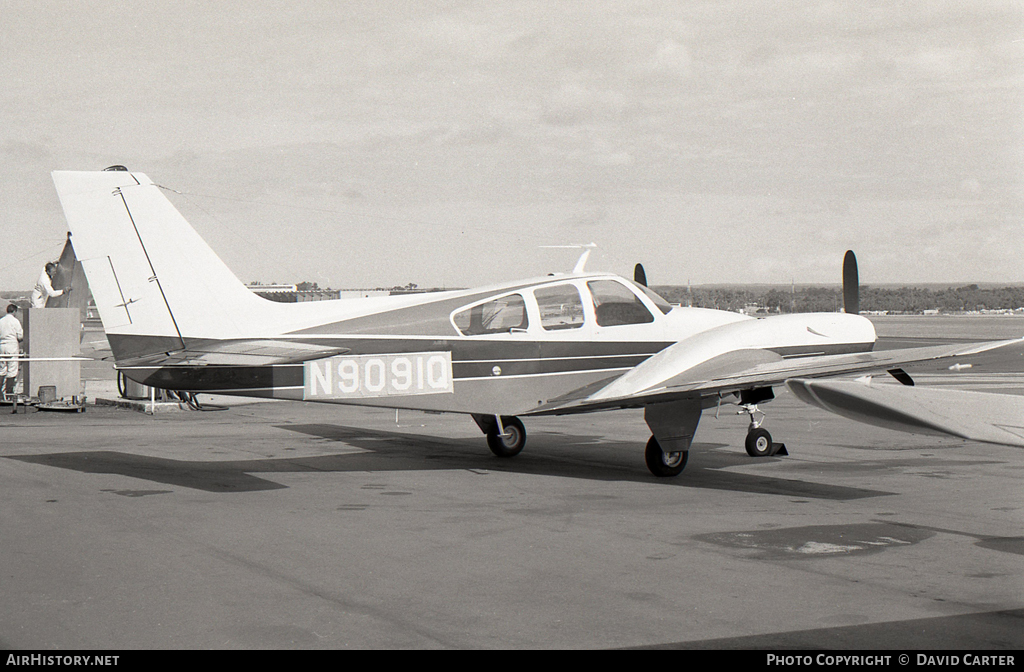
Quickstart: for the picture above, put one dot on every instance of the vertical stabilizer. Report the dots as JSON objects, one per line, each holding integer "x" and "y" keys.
{"x": 154, "y": 280}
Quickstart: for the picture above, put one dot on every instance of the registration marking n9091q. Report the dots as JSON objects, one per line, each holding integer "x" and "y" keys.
{"x": 361, "y": 376}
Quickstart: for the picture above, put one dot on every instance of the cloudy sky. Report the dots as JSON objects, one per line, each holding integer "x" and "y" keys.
{"x": 363, "y": 144}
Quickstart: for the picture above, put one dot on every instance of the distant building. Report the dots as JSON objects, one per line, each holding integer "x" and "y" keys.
{"x": 292, "y": 293}
{"x": 753, "y": 309}
{"x": 260, "y": 288}
{"x": 361, "y": 293}
{"x": 398, "y": 291}
{"x": 274, "y": 292}
{"x": 316, "y": 294}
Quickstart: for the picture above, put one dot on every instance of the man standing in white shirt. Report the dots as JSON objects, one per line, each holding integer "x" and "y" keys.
{"x": 43, "y": 289}
{"x": 11, "y": 335}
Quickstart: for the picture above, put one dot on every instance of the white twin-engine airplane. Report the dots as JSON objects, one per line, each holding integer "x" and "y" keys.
{"x": 177, "y": 318}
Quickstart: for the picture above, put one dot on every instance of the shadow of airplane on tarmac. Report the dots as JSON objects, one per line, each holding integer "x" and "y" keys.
{"x": 382, "y": 451}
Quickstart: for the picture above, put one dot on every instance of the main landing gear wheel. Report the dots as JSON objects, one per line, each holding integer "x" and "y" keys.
{"x": 759, "y": 442}
{"x": 661, "y": 463}
{"x": 511, "y": 442}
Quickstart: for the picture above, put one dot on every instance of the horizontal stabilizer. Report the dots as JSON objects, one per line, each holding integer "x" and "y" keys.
{"x": 976, "y": 416}
{"x": 255, "y": 352}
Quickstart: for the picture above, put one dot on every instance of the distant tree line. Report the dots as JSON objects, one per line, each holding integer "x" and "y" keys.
{"x": 829, "y": 299}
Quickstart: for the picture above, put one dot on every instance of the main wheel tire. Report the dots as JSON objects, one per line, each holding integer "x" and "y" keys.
{"x": 664, "y": 464}
{"x": 759, "y": 443}
{"x": 511, "y": 443}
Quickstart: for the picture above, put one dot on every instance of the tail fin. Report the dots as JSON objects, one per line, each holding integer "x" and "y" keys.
{"x": 156, "y": 283}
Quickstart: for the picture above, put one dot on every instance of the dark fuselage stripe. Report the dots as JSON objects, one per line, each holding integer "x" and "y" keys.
{"x": 472, "y": 360}
{"x": 218, "y": 377}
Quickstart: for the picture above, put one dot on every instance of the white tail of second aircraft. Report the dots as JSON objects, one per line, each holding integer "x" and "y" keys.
{"x": 150, "y": 273}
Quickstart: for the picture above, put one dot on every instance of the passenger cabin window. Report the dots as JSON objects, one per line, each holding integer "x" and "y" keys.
{"x": 494, "y": 317}
{"x": 560, "y": 307}
{"x": 615, "y": 304}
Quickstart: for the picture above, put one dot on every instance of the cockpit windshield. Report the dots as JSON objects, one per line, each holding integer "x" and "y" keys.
{"x": 663, "y": 305}
{"x": 616, "y": 305}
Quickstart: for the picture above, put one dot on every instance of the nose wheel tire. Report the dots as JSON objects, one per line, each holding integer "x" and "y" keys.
{"x": 664, "y": 464}
{"x": 511, "y": 442}
{"x": 759, "y": 443}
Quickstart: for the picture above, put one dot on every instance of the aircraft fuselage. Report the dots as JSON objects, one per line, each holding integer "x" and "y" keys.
{"x": 509, "y": 369}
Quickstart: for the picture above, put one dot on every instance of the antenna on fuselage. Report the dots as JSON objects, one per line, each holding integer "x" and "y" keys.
{"x": 578, "y": 268}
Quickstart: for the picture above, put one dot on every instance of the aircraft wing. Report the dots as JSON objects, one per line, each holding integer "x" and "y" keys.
{"x": 671, "y": 375}
{"x": 247, "y": 352}
{"x": 978, "y": 416}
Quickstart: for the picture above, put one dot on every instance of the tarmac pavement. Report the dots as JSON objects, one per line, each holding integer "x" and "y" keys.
{"x": 288, "y": 525}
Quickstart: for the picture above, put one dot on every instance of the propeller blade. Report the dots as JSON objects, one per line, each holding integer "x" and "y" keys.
{"x": 851, "y": 284}
{"x": 639, "y": 277}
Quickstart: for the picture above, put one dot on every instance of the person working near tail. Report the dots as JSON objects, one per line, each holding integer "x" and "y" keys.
{"x": 11, "y": 335}
{"x": 43, "y": 289}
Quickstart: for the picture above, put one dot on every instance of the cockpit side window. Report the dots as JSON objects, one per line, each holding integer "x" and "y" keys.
{"x": 494, "y": 317}
{"x": 560, "y": 307}
{"x": 615, "y": 304}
